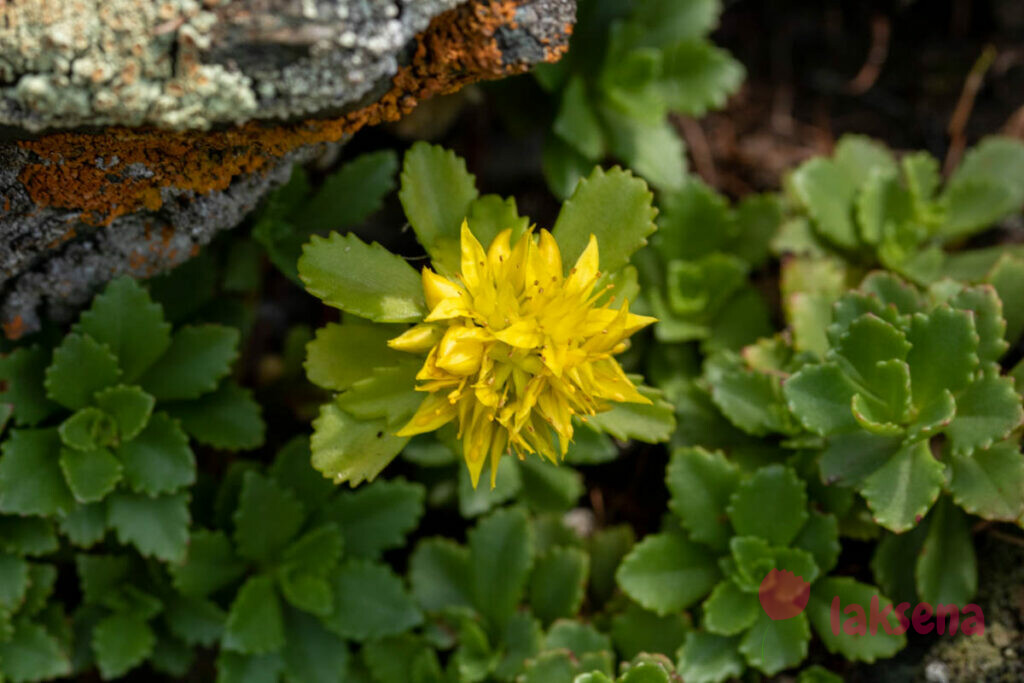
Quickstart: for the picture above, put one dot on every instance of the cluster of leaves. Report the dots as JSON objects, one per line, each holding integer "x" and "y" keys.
{"x": 104, "y": 422}
{"x": 696, "y": 278}
{"x": 888, "y": 406}
{"x": 870, "y": 209}
{"x": 629, "y": 65}
{"x": 731, "y": 527}
{"x": 379, "y": 291}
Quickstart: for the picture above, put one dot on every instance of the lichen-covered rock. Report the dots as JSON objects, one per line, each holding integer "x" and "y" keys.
{"x": 137, "y": 129}
{"x": 997, "y": 656}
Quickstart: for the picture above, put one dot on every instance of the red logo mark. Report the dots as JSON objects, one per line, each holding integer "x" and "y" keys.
{"x": 783, "y": 595}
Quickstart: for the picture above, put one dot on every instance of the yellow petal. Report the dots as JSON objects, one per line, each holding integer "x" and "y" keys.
{"x": 417, "y": 339}
{"x": 433, "y": 413}
{"x": 448, "y": 309}
{"x": 500, "y": 253}
{"x": 437, "y": 288}
{"x": 584, "y": 274}
{"x": 461, "y": 350}
{"x": 522, "y": 334}
{"x": 474, "y": 260}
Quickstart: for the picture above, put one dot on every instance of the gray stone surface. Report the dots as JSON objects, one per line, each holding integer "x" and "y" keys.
{"x": 254, "y": 83}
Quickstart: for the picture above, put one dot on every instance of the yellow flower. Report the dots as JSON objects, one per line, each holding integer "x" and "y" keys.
{"x": 515, "y": 350}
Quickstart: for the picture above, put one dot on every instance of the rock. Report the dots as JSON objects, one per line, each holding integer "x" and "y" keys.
{"x": 997, "y": 656}
{"x": 135, "y": 130}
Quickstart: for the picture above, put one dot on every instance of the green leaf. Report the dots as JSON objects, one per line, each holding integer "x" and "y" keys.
{"x": 376, "y": 517}
{"x": 490, "y": 214}
{"x": 700, "y": 484}
{"x": 652, "y": 423}
{"x": 133, "y": 327}
{"x": 255, "y": 624}
{"x": 563, "y": 166}
{"x": 901, "y": 491}
{"x": 862, "y": 648}
{"x": 341, "y": 355}
{"x": 753, "y": 401}
{"x": 85, "y": 525}
{"x": 576, "y": 121}
{"x": 267, "y": 518}
{"x": 827, "y": 193}
{"x": 997, "y": 162}
{"x": 986, "y": 412}
{"x": 88, "y": 429}
{"x": 158, "y": 527}
{"x": 549, "y": 667}
{"x": 27, "y": 536}
{"x": 439, "y": 571}
{"x": 31, "y": 481}
{"x": 547, "y": 487}
{"x": 370, "y": 602}
{"x": 233, "y": 667}
{"x": 589, "y": 447}
{"x": 820, "y": 396}
{"x": 522, "y": 640}
{"x": 90, "y": 475}
{"x": 210, "y": 564}
{"x": 228, "y": 418}
{"x": 390, "y": 393}
{"x": 729, "y": 610}
{"x": 194, "y": 620}
{"x": 785, "y": 643}
{"x": 33, "y": 654}
{"x": 944, "y": 353}
{"x": 121, "y": 642}
{"x": 159, "y": 459}
{"x": 436, "y": 193}
{"x": 990, "y": 482}
{"x": 81, "y": 366}
{"x": 698, "y": 76}
{"x": 651, "y": 148}
{"x": 820, "y": 537}
{"x": 771, "y": 504}
{"x": 666, "y": 573}
{"x": 666, "y": 21}
{"x": 614, "y": 206}
{"x": 818, "y": 674}
{"x": 401, "y": 659}
{"x": 130, "y": 407}
{"x": 576, "y": 637}
{"x": 22, "y": 373}
{"x": 292, "y": 470}
{"x": 558, "y": 582}
{"x": 350, "y": 195}
{"x": 351, "y": 450}
{"x": 606, "y": 548}
{"x": 474, "y": 502}
{"x": 312, "y": 654}
{"x": 1007, "y": 277}
{"x": 315, "y": 552}
{"x": 636, "y": 630}
{"x": 363, "y": 279}
{"x": 198, "y": 358}
{"x": 14, "y": 581}
{"x": 947, "y": 569}
{"x": 987, "y": 305}
{"x": 707, "y": 658}
{"x": 501, "y": 558}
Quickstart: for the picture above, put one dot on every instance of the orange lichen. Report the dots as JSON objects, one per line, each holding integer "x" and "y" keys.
{"x": 14, "y": 328}
{"x": 458, "y": 48}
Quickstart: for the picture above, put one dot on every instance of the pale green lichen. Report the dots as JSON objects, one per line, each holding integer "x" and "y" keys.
{"x": 185, "y": 64}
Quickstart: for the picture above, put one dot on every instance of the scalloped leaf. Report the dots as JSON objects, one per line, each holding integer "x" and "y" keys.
{"x": 613, "y": 205}
{"x": 366, "y": 280}
{"x": 436, "y": 193}
{"x": 666, "y": 573}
